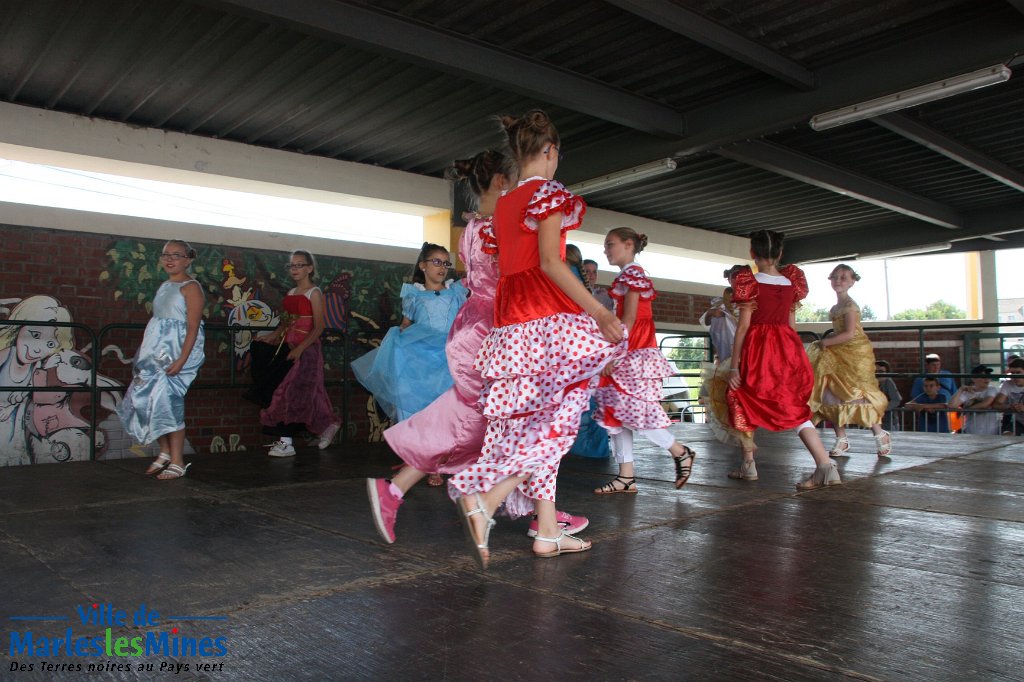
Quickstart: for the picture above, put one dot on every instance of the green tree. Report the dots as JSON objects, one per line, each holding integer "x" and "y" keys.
{"x": 808, "y": 314}
{"x": 939, "y": 310}
{"x": 866, "y": 313}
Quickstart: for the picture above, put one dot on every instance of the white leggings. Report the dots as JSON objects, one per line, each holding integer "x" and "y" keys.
{"x": 805, "y": 425}
{"x": 622, "y": 442}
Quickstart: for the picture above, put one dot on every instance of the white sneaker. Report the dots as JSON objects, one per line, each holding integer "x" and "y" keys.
{"x": 281, "y": 449}
{"x": 327, "y": 437}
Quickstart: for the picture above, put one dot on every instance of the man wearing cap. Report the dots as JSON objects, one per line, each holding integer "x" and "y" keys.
{"x": 933, "y": 367}
{"x": 978, "y": 395}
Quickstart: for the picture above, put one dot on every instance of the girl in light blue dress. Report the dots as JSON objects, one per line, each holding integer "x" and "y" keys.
{"x": 410, "y": 369}
{"x": 166, "y": 364}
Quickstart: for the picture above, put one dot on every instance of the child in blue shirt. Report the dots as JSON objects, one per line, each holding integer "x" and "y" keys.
{"x": 931, "y": 407}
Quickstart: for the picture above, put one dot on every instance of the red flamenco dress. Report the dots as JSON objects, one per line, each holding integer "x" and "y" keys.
{"x": 631, "y": 396}
{"x": 777, "y": 376}
{"x": 541, "y": 361}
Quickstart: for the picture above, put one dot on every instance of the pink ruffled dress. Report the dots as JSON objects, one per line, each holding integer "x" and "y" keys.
{"x": 631, "y": 396}
{"x": 446, "y": 436}
{"x": 540, "y": 362}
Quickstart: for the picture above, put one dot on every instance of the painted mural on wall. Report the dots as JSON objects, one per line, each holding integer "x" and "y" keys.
{"x": 244, "y": 290}
{"x": 46, "y": 426}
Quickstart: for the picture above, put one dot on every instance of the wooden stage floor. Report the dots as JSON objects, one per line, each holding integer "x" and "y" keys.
{"x": 911, "y": 570}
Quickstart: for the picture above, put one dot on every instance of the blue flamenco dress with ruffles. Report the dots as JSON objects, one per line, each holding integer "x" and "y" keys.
{"x": 410, "y": 369}
{"x": 154, "y": 404}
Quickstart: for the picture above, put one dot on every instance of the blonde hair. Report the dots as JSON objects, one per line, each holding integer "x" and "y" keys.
{"x": 847, "y": 268}
{"x": 39, "y": 309}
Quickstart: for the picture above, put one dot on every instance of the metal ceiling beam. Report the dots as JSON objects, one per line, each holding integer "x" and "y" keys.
{"x": 967, "y": 46}
{"x": 950, "y": 148}
{"x": 711, "y": 34}
{"x": 417, "y": 42}
{"x": 1019, "y": 4}
{"x": 786, "y": 162}
{"x": 906, "y": 235}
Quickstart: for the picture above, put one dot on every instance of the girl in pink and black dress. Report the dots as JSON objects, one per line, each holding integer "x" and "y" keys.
{"x": 771, "y": 378}
{"x": 447, "y": 435}
{"x": 300, "y": 399}
{"x": 629, "y": 395}
{"x": 540, "y": 363}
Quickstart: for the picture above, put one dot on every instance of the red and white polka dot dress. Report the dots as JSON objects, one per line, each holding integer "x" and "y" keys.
{"x": 540, "y": 362}
{"x": 631, "y": 396}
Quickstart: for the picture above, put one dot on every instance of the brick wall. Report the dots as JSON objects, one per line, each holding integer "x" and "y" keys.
{"x": 103, "y": 280}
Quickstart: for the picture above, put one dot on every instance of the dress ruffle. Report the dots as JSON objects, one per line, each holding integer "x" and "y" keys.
{"x": 529, "y": 366}
{"x": 716, "y": 403}
{"x": 631, "y": 396}
{"x": 549, "y": 198}
{"x": 633, "y": 278}
{"x": 488, "y": 240}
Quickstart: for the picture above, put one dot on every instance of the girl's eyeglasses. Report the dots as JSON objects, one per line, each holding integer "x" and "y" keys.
{"x": 296, "y": 266}
{"x": 438, "y": 262}
{"x": 173, "y": 256}
{"x": 561, "y": 154}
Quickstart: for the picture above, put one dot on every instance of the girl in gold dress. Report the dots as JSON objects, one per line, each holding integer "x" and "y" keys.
{"x": 845, "y": 388}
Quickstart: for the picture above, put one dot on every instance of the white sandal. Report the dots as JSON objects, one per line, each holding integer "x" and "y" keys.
{"x": 158, "y": 464}
{"x": 481, "y": 554}
{"x": 884, "y": 446}
{"x": 172, "y": 472}
{"x": 557, "y": 551}
{"x": 836, "y": 451}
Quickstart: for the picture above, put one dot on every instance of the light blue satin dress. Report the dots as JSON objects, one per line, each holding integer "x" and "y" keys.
{"x": 410, "y": 369}
{"x": 155, "y": 403}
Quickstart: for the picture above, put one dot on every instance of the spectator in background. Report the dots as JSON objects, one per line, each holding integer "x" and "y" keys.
{"x": 931, "y": 406}
{"x": 721, "y": 321}
{"x": 888, "y": 387}
{"x": 979, "y": 394}
{"x": 933, "y": 367}
{"x": 1011, "y": 398}
{"x": 600, "y": 293}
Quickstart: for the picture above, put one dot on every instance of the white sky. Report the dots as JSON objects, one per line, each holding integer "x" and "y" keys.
{"x": 39, "y": 185}
{"x": 913, "y": 281}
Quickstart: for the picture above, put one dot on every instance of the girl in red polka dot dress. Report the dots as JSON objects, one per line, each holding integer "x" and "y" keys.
{"x": 540, "y": 363}
{"x": 629, "y": 395}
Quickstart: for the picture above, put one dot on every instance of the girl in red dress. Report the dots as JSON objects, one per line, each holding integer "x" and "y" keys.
{"x": 540, "y": 363}
{"x": 301, "y": 397}
{"x": 771, "y": 378}
{"x": 629, "y": 395}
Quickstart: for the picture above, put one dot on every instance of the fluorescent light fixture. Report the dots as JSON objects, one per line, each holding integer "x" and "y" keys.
{"x": 624, "y": 177}
{"x": 912, "y": 97}
{"x": 910, "y": 251}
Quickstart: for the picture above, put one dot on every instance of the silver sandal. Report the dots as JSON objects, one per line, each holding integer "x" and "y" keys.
{"x": 480, "y": 550}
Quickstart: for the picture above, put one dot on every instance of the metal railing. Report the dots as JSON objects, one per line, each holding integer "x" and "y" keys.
{"x": 95, "y": 344}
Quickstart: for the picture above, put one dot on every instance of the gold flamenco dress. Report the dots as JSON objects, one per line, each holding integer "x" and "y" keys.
{"x": 845, "y": 388}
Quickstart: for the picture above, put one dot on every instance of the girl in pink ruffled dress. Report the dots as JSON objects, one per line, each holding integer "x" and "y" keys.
{"x": 540, "y": 363}
{"x": 629, "y": 395}
{"x": 447, "y": 435}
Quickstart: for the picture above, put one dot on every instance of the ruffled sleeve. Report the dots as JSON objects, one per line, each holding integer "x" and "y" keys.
{"x": 488, "y": 240}
{"x": 799, "y": 280}
{"x": 550, "y": 198}
{"x": 744, "y": 286}
{"x": 408, "y": 295}
{"x": 632, "y": 278}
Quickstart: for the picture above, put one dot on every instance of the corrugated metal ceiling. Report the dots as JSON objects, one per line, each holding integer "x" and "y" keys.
{"x": 289, "y": 75}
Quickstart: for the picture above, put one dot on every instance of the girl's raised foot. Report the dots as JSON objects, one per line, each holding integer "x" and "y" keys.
{"x": 824, "y": 475}
{"x": 684, "y": 466}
